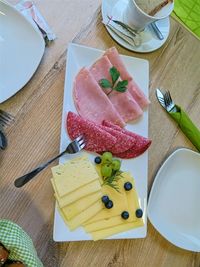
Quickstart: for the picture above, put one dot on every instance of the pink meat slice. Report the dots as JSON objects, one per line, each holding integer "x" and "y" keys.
{"x": 91, "y": 102}
{"x": 133, "y": 88}
{"x": 123, "y": 143}
{"x": 97, "y": 139}
{"x": 141, "y": 145}
{"x": 124, "y": 103}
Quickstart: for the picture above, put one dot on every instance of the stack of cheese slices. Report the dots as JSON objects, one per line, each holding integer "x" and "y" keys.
{"x": 79, "y": 188}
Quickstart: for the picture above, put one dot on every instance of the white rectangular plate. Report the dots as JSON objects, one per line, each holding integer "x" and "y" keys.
{"x": 77, "y": 57}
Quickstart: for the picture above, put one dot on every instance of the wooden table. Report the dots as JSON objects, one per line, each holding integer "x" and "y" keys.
{"x": 35, "y": 136}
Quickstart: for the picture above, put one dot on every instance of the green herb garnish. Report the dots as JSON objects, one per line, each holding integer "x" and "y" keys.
{"x": 112, "y": 180}
{"x": 119, "y": 86}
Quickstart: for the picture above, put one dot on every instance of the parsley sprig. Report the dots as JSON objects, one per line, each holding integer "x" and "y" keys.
{"x": 119, "y": 86}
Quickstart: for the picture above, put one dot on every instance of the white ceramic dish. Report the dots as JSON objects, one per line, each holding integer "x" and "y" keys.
{"x": 21, "y": 49}
{"x": 173, "y": 206}
{"x": 150, "y": 41}
{"x": 77, "y": 57}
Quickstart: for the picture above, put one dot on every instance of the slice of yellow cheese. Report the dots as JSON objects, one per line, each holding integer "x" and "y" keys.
{"x": 83, "y": 191}
{"x": 83, "y": 216}
{"x": 113, "y": 221}
{"x": 75, "y": 208}
{"x": 72, "y": 175}
{"x": 132, "y": 198}
{"x": 119, "y": 202}
{"x": 101, "y": 234}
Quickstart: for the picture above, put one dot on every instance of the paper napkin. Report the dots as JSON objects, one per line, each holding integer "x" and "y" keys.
{"x": 187, "y": 12}
{"x": 30, "y": 11}
{"x": 187, "y": 126}
{"x": 19, "y": 244}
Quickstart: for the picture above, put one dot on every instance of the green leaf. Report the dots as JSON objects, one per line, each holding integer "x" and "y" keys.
{"x": 114, "y": 73}
{"x": 104, "y": 83}
{"x": 121, "y": 86}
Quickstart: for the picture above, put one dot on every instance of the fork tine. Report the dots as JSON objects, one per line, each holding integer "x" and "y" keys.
{"x": 82, "y": 146}
{"x": 5, "y": 118}
{"x": 79, "y": 138}
{"x": 166, "y": 98}
{"x": 6, "y": 115}
{"x": 81, "y": 142}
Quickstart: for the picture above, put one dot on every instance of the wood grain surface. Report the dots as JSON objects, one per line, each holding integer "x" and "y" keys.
{"x": 35, "y": 136}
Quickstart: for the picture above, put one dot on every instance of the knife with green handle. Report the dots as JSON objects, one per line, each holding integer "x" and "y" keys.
{"x": 180, "y": 116}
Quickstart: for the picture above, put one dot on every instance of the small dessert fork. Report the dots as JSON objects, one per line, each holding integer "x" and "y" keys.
{"x": 75, "y": 146}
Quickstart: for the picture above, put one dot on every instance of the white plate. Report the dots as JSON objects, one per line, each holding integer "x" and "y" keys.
{"x": 150, "y": 42}
{"x": 78, "y": 57}
{"x": 21, "y": 49}
{"x": 173, "y": 206}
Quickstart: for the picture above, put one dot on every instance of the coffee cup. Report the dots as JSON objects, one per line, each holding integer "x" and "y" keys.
{"x": 135, "y": 17}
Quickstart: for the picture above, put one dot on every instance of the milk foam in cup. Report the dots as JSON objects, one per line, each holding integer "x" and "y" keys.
{"x": 135, "y": 17}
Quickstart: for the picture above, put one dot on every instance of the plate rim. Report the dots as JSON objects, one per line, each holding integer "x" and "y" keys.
{"x": 42, "y": 45}
{"x": 66, "y": 104}
{"x": 151, "y": 193}
{"x": 127, "y": 46}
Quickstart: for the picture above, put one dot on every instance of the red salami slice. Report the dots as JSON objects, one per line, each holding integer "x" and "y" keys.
{"x": 96, "y": 138}
{"x": 141, "y": 145}
{"x": 123, "y": 143}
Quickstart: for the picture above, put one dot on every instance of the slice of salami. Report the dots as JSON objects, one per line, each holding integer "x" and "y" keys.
{"x": 123, "y": 143}
{"x": 96, "y": 138}
{"x": 141, "y": 145}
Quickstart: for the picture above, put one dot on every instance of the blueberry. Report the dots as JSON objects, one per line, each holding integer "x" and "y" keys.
{"x": 97, "y": 160}
{"x": 125, "y": 215}
{"x": 128, "y": 186}
{"x": 105, "y": 199}
{"x": 139, "y": 213}
{"x": 109, "y": 204}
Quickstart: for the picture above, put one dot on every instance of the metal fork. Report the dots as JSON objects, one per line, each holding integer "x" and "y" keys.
{"x": 165, "y": 100}
{"x": 5, "y": 118}
{"x": 74, "y": 147}
{"x": 170, "y": 105}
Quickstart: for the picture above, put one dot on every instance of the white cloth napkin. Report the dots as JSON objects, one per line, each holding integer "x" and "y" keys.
{"x": 30, "y": 11}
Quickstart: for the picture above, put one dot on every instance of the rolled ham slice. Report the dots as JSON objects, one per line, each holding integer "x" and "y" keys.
{"x": 91, "y": 102}
{"x": 133, "y": 88}
{"x": 124, "y": 103}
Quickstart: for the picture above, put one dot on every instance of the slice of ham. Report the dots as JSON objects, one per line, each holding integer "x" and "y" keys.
{"x": 91, "y": 102}
{"x": 97, "y": 139}
{"x": 141, "y": 145}
{"x": 123, "y": 143}
{"x": 124, "y": 103}
{"x": 133, "y": 88}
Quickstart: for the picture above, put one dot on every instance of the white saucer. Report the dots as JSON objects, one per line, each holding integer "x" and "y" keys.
{"x": 21, "y": 49}
{"x": 173, "y": 206}
{"x": 150, "y": 41}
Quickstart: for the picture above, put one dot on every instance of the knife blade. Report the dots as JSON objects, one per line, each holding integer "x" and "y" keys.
{"x": 160, "y": 98}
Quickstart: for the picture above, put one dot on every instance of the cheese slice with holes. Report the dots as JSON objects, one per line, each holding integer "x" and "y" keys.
{"x": 72, "y": 175}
